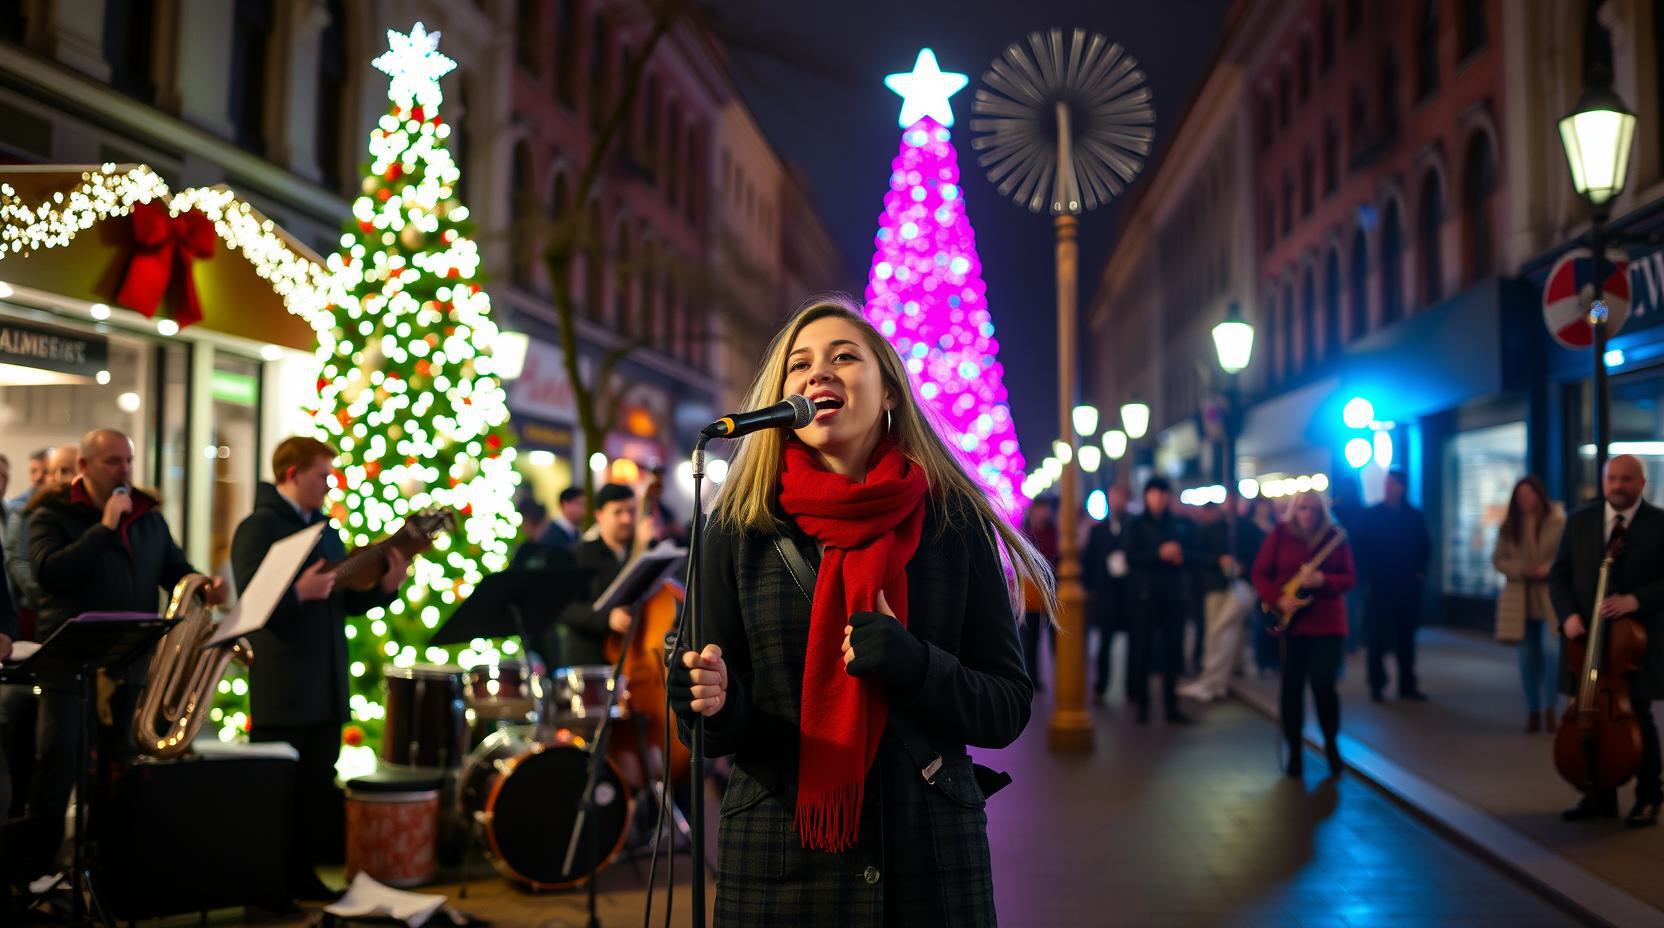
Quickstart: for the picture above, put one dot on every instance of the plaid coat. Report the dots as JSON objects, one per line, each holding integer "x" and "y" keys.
{"x": 922, "y": 858}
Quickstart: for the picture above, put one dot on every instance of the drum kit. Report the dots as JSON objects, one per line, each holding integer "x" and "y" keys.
{"x": 512, "y": 748}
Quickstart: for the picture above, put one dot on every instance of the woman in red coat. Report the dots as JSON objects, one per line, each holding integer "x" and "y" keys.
{"x": 1315, "y": 643}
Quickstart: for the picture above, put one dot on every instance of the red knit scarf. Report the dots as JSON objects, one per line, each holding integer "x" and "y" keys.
{"x": 869, "y": 531}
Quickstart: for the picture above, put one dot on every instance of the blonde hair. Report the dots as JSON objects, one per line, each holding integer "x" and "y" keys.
{"x": 747, "y": 495}
{"x": 1325, "y": 518}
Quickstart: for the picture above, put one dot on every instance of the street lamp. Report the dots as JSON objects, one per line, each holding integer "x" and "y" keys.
{"x": 1090, "y": 458}
{"x": 1115, "y": 444}
{"x": 1233, "y": 342}
{"x": 1086, "y": 419}
{"x": 1597, "y": 136}
{"x": 1135, "y": 418}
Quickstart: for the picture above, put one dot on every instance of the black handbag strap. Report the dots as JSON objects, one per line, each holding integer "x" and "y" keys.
{"x": 913, "y": 741}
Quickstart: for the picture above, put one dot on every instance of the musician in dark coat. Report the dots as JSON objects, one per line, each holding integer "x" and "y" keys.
{"x": 1631, "y": 531}
{"x": 897, "y": 646}
{"x": 1161, "y": 550}
{"x": 583, "y": 631}
{"x": 1104, "y": 570}
{"x": 97, "y": 545}
{"x": 298, "y": 683}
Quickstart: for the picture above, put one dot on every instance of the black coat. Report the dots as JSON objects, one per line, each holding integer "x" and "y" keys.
{"x": 922, "y": 857}
{"x": 1638, "y": 571}
{"x": 82, "y": 566}
{"x": 8, "y": 609}
{"x": 299, "y": 675}
{"x": 1107, "y": 594}
{"x": 584, "y": 631}
{"x": 1153, "y": 579}
{"x": 1392, "y": 547}
{"x": 1217, "y": 542}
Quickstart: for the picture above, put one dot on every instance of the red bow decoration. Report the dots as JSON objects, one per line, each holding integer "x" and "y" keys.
{"x": 166, "y": 244}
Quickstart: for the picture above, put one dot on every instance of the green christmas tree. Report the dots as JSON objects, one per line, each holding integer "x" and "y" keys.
{"x": 407, "y": 391}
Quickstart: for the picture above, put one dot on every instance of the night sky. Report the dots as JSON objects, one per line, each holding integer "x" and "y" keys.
{"x": 812, "y": 73}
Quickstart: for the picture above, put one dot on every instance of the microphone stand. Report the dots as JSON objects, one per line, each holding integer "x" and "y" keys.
{"x": 692, "y": 602}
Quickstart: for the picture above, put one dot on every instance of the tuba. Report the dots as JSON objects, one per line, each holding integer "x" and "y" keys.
{"x": 184, "y": 674}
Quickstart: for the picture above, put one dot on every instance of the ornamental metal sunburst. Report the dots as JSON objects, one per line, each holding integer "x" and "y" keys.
{"x": 1063, "y": 126}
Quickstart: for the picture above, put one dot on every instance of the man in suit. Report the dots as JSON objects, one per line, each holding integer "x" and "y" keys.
{"x": 1161, "y": 548}
{"x": 1104, "y": 570}
{"x": 561, "y": 529}
{"x": 1631, "y": 531}
{"x": 584, "y": 631}
{"x": 298, "y": 683}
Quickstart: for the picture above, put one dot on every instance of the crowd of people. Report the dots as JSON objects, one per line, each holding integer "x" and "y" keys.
{"x": 1200, "y": 591}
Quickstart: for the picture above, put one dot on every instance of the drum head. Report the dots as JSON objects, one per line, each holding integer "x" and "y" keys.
{"x": 535, "y": 807}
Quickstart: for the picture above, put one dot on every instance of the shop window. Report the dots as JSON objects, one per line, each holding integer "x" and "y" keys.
{"x": 1481, "y": 467}
{"x": 233, "y": 454}
{"x": 1637, "y": 422}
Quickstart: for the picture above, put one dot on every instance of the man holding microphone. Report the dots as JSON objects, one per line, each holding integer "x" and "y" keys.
{"x": 96, "y": 545}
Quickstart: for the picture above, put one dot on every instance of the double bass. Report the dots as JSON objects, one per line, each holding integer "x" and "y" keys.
{"x": 1598, "y": 745}
{"x": 643, "y": 655}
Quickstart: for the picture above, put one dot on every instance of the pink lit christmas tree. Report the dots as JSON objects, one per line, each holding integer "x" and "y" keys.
{"x": 925, "y": 290}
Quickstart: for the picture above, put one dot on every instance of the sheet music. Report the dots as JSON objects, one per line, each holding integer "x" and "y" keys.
{"x": 367, "y": 898}
{"x": 268, "y": 585}
{"x": 656, "y": 560}
{"x": 22, "y": 651}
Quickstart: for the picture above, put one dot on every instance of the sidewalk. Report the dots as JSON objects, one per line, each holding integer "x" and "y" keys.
{"x": 1463, "y": 760}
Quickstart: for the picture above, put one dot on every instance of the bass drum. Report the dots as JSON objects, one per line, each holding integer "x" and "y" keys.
{"x": 525, "y": 795}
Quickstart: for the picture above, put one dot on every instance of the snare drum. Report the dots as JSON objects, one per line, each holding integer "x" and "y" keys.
{"x": 525, "y": 796}
{"x": 501, "y": 695}
{"x": 427, "y": 722}
{"x": 579, "y": 694}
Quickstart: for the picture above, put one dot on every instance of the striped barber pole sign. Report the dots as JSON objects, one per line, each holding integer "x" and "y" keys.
{"x": 1570, "y": 289}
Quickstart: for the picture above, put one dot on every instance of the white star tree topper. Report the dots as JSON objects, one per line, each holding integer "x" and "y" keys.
{"x": 925, "y": 91}
{"x": 415, "y": 65}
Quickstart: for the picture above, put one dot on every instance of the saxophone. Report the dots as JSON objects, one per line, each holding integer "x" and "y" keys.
{"x": 184, "y": 673}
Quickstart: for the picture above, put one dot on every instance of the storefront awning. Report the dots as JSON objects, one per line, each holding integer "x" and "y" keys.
{"x": 117, "y": 235}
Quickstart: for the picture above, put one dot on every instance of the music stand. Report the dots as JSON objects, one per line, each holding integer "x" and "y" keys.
{"x": 499, "y": 606}
{"x": 638, "y": 580}
{"x": 73, "y": 655}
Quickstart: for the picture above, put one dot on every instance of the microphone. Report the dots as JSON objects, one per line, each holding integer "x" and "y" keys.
{"x": 793, "y": 412}
{"x": 120, "y": 490}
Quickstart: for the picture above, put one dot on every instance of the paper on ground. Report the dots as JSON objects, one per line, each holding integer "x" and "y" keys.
{"x": 368, "y": 898}
{"x": 268, "y": 585}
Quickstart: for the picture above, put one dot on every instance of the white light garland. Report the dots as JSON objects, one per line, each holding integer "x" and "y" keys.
{"x": 110, "y": 193}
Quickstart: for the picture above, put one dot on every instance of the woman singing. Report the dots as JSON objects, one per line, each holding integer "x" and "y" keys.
{"x": 1315, "y": 642}
{"x": 1525, "y": 547}
{"x": 834, "y": 698}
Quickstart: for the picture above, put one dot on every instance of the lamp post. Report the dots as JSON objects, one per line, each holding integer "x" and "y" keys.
{"x": 1597, "y": 136}
{"x": 1233, "y": 342}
